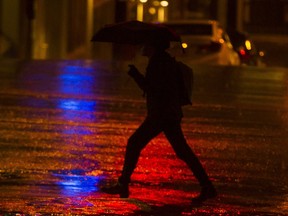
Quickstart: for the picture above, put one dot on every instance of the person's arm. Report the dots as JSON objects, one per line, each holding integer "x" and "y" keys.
{"x": 137, "y": 76}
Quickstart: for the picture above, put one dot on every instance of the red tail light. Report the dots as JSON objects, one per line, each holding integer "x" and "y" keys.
{"x": 242, "y": 52}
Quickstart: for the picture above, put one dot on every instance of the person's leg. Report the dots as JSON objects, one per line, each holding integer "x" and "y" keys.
{"x": 136, "y": 143}
{"x": 139, "y": 139}
{"x": 174, "y": 134}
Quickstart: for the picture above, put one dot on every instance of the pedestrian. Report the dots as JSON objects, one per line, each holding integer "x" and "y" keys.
{"x": 164, "y": 114}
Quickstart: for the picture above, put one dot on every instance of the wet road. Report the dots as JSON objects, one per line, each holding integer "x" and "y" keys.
{"x": 64, "y": 126}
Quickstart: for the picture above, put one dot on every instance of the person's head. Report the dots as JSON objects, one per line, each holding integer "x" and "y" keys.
{"x": 147, "y": 50}
{"x": 158, "y": 44}
{"x": 161, "y": 43}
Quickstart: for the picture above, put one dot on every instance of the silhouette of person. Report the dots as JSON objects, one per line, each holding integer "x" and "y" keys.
{"x": 164, "y": 114}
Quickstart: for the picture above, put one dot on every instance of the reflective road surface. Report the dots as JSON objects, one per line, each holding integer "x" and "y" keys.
{"x": 64, "y": 127}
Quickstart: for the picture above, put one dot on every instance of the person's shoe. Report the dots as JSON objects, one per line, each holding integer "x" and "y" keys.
{"x": 207, "y": 192}
{"x": 121, "y": 189}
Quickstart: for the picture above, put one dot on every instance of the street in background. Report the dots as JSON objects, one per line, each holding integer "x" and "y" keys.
{"x": 203, "y": 42}
{"x": 248, "y": 53}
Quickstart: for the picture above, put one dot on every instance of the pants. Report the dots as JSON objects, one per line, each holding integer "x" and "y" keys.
{"x": 149, "y": 129}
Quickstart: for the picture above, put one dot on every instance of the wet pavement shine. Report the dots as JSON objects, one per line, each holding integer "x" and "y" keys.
{"x": 64, "y": 127}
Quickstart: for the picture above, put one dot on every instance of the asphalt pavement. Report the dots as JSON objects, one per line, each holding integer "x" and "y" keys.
{"x": 64, "y": 126}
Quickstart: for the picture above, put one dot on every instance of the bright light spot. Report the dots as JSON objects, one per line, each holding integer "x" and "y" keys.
{"x": 152, "y": 10}
{"x": 164, "y": 3}
{"x": 242, "y": 52}
{"x": 143, "y": 1}
{"x": 248, "y": 45}
{"x": 221, "y": 41}
{"x": 184, "y": 45}
{"x": 261, "y": 53}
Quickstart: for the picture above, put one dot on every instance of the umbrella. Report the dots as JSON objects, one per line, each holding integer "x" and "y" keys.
{"x": 134, "y": 32}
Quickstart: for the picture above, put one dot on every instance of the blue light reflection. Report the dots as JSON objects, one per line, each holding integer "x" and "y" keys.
{"x": 76, "y": 68}
{"x": 77, "y": 185}
{"x": 76, "y": 105}
{"x": 76, "y": 81}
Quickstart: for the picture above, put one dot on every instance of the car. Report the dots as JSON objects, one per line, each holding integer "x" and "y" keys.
{"x": 246, "y": 49}
{"x": 203, "y": 42}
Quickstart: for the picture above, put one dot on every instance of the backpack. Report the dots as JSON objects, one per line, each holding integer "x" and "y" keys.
{"x": 185, "y": 83}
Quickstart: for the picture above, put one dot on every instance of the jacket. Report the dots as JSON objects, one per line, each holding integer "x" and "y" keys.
{"x": 160, "y": 87}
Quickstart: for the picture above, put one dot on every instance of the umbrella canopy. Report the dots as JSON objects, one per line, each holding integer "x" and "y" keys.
{"x": 134, "y": 32}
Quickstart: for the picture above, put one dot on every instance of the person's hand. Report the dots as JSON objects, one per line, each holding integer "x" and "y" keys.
{"x": 132, "y": 70}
